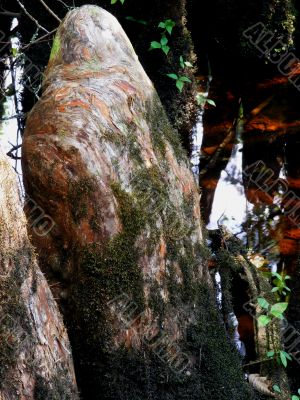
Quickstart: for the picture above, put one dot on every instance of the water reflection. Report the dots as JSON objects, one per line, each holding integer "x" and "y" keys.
{"x": 261, "y": 205}
{"x": 11, "y": 123}
{"x": 269, "y": 135}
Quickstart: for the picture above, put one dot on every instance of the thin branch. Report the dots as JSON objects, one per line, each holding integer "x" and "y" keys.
{"x": 9, "y": 13}
{"x": 10, "y": 152}
{"x": 67, "y": 7}
{"x": 50, "y": 11}
{"x": 230, "y": 134}
{"x": 37, "y": 40}
{"x": 17, "y": 110}
{"x": 21, "y": 115}
{"x": 258, "y": 362}
{"x": 31, "y": 17}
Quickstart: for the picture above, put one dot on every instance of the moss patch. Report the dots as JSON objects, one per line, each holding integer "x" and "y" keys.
{"x": 59, "y": 388}
{"x": 220, "y": 373}
{"x": 15, "y": 328}
{"x": 116, "y": 263}
{"x": 56, "y": 45}
{"x": 79, "y": 193}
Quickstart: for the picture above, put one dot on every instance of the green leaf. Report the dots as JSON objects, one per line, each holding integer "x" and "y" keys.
{"x": 122, "y": 1}
{"x": 165, "y": 49}
{"x": 270, "y": 353}
{"x": 279, "y": 307}
{"x": 298, "y": 391}
{"x": 169, "y": 25}
{"x": 283, "y": 359}
{"x": 277, "y": 314}
{"x": 211, "y": 102}
{"x": 188, "y": 64}
{"x": 287, "y": 288}
{"x": 185, "y": 79}
{"x": 277, "y": 275}
{"x": 263, "y": 320}
{"x": 288, "y": 277}
{"x": 113, "y": 1}
{"x": 173, "y": 76}
{"x": 263, "y": 303}
{"x": 181, "y": 62}
{"x": 179, "y": 85}
{"x": 294, "y": 397}
{"x": 266, "y": 274}
{"x": 276, "y": 389}
{"x": 155, "y": 45}
{"x": 278, "y": 282}
{"x": 275, "y": 289}
{"x": 164, "y": 40}
{"x": 200, "y": 99}
{"x": 288, "y": 356}
{"x": 14, "y": 51}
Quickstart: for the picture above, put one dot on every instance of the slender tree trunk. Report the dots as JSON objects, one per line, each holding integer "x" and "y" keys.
{"x": 35, "y": 355}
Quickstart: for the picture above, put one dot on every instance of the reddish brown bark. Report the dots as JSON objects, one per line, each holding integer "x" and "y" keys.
{"x": 35, "y": 355}
{"x": 100, "y": 157}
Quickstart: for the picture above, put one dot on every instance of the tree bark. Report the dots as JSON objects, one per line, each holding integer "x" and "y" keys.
{"x": 35, "y": 355}
{"x": 100, "y": 156}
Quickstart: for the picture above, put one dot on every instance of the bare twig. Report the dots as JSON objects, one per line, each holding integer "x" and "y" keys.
{"x": 21, "y": 115}
{"x": 50, "y": 11}
{"x": 9, "y": 13}
{"x": 10, "y": 152}
{"x": 265, "y": 360}
{"x": 258, "y": 362}
{"x": 66, "y": 5}
{"x": 230, "y": 134}
{"x": 31, "y": 17}
{"x": 37, "y": 40}
{"x": 16, "y": 104}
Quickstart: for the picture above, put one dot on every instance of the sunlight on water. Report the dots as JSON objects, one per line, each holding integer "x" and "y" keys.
{"x": 230, "y": 206}
{"x": 197, "y": 137}
{"x": 10, "y": 133}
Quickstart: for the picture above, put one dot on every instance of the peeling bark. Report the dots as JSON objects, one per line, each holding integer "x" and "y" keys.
{"x": 35, "y": 355}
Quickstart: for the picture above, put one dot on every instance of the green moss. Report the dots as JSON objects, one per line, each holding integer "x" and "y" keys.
{"x": 79, "y": 193}
{"x": 202, "y": 252}
{"x": 227, "y": 261}
{"x": 162, "y": 131}
{"x": 58, "y": 388}
{"x": 134, "y": 148}
{"x": 115, "y": 264}
{"x": 15, "y": 329}
{"x": 55, "y": 47}
{"x": 156, "y": 302}
{"x": 218, "y": 363}
{"x": 107, "y": 270}
{"x": 188, "y": 257}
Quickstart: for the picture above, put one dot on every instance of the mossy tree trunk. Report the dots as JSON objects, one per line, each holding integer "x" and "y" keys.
{"x": 100, "y": 157}
{"x": 35, "y": 356}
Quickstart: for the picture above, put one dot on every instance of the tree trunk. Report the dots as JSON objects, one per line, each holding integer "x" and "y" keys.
{"x": 35, "y": 355}
{"x": 101, "y": 158}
